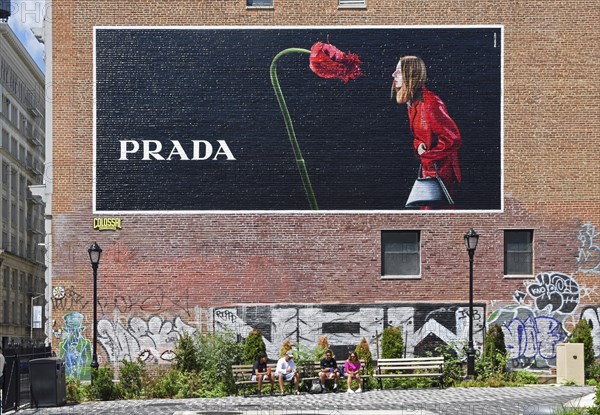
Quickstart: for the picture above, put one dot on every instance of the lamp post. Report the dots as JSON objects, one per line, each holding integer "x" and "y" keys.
{"x": 471, "y": 239}
{"x": 94, "y": 251}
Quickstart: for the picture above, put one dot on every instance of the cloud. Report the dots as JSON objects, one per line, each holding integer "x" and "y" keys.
{"x": 26, "y": 14}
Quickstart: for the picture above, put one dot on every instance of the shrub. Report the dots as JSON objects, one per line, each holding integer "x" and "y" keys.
{"x": 102, "y": 387}
{"x": 253, "y": 346}
{"x": 185, "y": 352}
{"x": 582, "y": 333}
{"x": 452, "y": 373}
{"x": 216, "y": 353}
{"x": 525, "y": 377}
{"x": 392, "y": 345}
{"x": 322, "y": 347}
{"x": 75, "y": 391}
{"x": 364, "y": 353}
{"x": 131, "y": 378}
{"x": 495, "y": 348}
{"x": 285, "y": 347}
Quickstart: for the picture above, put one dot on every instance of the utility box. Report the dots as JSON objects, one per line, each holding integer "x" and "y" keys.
{"x": 48, "y": 382}
{"x": 570, "y": 363}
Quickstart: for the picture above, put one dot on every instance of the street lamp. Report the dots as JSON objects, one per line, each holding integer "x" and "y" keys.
{"x": 471, "y": 239}
{"x": 94, "y": 251}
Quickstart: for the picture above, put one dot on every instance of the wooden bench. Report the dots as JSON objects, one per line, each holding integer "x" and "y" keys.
{"x": 432, "y": 367}
{"x": 310, "y": 372}
{"x": 242, "y": 376}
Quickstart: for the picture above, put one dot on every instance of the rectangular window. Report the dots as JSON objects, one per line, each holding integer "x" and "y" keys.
{"x": 259, "y": 3}
{"x": 518, "y": 252}
{"x": 352, "y": 3}
{"x": 400, "y": 253}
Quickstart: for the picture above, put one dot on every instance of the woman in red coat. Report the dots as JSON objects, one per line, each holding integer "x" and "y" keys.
{"x": 436, "y": 138}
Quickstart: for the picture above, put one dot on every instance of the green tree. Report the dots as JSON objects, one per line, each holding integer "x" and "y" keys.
{"x": 392, "y": 346}
{"x": 185, "y": 352}
{"x": 494, "y": 352}
{"x": 253, "y": 346}
{"x": 364, "y": 353}
{"x": 582, "y": 333}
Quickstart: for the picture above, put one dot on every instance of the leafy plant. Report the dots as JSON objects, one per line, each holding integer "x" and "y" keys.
{"x": 392, "y": 345}
{"x": 131, "y": 378}
{"x": 453, "y": 372}
{"x": 216, "y": 353}
{"x": 102, "y": 386}
{"x": 75, "y": 390}
{"x": 582, "y": 333}
{"x": 363, "y": 352}
{"x": 495, "y": 348}
{"x": 322, "y": 347}
{"x": 253, "y": 346}
{"x": 524, "y": 377}
{"x": 285, "y": 347}
{"x": 185, "y": 352}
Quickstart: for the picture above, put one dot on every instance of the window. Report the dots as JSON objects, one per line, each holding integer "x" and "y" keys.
{"x": 400, "y": 253}
{"x": 518, "y": 252}
{"x": 352, "y": 3}
{"x": 259, "y": 3}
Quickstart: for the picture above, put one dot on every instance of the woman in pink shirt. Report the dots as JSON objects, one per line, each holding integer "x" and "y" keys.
{"x": 352, "y": 369}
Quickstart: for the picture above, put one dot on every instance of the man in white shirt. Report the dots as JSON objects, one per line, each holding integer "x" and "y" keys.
{"x": 286, "y": 371}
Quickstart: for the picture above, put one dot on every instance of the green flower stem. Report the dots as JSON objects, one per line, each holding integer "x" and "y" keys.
{"x": 310, "y": 194}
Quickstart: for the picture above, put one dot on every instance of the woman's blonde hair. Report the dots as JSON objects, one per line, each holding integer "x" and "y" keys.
{"x": 414, "y": 75}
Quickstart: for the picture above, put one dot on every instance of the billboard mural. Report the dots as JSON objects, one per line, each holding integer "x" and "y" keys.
{"x": 328, "y": 119}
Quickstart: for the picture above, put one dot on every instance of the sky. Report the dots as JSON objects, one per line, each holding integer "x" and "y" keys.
{"x": 26, "y": 14}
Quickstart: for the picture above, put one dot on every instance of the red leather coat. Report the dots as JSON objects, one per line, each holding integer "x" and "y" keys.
{"x": 431, "y": 125}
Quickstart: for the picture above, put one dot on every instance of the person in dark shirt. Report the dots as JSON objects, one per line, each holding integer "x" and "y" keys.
{"x": 261, "y": 373}
{"x": 329, "y": 370}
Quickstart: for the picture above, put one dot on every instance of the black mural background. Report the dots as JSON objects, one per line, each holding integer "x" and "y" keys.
{"x": 213, "y": 84}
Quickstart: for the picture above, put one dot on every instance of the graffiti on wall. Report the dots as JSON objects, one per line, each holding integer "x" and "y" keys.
{"x": 75, "y": 349}
{"x": 588, "y": 257}
{"x": 535, "y": 324}
{"x": 591, "y": 315}
{"x": 152, "y": 339}
{"x": 425, "y": 326}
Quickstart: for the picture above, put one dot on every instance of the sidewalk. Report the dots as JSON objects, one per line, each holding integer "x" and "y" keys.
{"x": 450, "y": 401}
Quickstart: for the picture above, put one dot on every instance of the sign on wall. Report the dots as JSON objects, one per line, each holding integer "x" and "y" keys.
{"x": 249, "y": 119}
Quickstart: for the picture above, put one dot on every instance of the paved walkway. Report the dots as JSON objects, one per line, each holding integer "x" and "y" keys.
{"x": 450, "y": 401}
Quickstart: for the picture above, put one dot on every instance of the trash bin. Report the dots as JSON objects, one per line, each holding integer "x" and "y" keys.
{"x": 569, "y": 363}
{"x": 48, "y": 382}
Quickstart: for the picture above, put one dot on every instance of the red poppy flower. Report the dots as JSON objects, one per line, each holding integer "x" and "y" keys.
{"x": 327, "y": 61}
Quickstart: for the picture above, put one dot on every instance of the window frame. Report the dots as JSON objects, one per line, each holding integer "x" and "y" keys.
{"x": 253, "y": 7}
{"x": 418, "y": 253}
{"x": 352, "y": 4}
{"x": 531, "y": 234}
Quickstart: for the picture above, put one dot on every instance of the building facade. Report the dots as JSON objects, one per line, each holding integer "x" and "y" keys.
{"x": 170, "y": 151}
{"x": 22, "y": 154}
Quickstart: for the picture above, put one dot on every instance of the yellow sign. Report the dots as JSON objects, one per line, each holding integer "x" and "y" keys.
{"x": 107, "y": 224}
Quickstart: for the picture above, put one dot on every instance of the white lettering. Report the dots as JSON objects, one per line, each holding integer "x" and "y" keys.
{"x": 226, "y": 151}
{"x": 154, "y": 153}
{"x": 178, "y": 151}
{"x": 124, "y": 150}
{"x": 152, "y": 149}
{"x": 207, "y": 149}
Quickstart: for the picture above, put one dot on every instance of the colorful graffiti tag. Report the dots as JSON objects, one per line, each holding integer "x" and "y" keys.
{"x": 75, "y": 349}
{"x": 535, "y": 324}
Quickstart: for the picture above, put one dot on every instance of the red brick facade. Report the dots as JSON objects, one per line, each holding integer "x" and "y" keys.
{"x": 161, "y": 271}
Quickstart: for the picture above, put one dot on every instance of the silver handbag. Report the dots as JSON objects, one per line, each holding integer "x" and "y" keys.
{"x": 429, "y": 191}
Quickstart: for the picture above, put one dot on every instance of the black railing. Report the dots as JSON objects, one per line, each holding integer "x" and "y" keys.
{"x": 15, "y": 392}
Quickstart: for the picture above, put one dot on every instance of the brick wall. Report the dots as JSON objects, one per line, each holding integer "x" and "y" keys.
{"x": 161, "y": 275}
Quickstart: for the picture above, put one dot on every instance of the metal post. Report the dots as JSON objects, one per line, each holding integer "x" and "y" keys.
{"x": 94, "y": 364}
{"x": 470, "y": 348}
